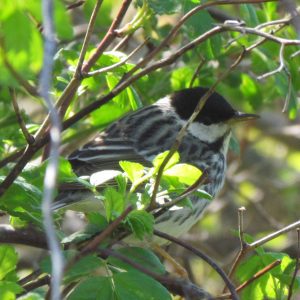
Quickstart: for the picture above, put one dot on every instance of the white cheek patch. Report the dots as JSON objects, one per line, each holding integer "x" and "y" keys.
{"x": 208, "y": 133}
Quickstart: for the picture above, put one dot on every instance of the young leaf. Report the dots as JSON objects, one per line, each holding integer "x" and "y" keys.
{"x": 114, "y": 203}
{"x": 157, "y": 161}
{"x": 134, "y": 170}
{"x": 141, "y": 223}
{"x": 185, "y": 173}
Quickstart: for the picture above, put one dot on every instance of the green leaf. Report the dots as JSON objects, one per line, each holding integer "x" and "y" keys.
{"x": 84, "y": 267}
{"x": 22, "y": 200}
{"x": 97, "y": 223}
{"x": 125, "y": 97}
{"x": 8, "y": 290}
{"x": 157, "y": 161}
{"x": 142, "y": 256}
{"x": 94, "y": 288}
{"x": 185, "y": 173}
{"x": 114, "y": 203}
{"x": 8, "y": 260}
{"x": 141, "y": 223}
{"x": 134, "y": 170}
{"x": 137, "y": 286}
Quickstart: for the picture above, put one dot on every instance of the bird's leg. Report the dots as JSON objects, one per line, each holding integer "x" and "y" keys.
{"x": 178, "y": 269}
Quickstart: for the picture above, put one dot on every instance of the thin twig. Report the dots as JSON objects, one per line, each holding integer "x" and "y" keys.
{"x": 109, "y": 37}
{"x": 28, "y": 137}
{"x": 241, "y": 211}
{"x": 258, "y": 243}
{"x": 65, "y": 99}
{"x": 203, "y": 256}
{"x": 190, "y": 190}
{"x": 97, "y": 240}
{"x": 273, "y": 23}
{"x": 55, "y": 137}
{"x": 87, "y": 37}
{"x": 118, "y": 64}
{"x": 179, "y": 24}
{"x": 297, "y": 266}
{"x": 274, "y": 235}
{"x": 196, "y": 73}
{"x": 280, "y": 67}
{"x": 266, "y": 35}
{"x": 75, "y": 5}
{"x": 257, "y": 275}
{"x": 289, "y": 93}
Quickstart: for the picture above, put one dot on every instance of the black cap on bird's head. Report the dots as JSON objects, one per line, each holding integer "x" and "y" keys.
{"x": 215, "y": 110}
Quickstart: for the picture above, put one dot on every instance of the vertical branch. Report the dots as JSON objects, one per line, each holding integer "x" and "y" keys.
{"x": 55, "y": 136}
{"x": 88, "y": 36}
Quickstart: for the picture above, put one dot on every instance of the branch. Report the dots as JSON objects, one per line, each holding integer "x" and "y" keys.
{"x": 109, "y": 37}
{"x": 28, "y": 137}
{"x": 203, "y": 256}
{"x": 257, "y": 275}
{"x": 253, "y": 31}
{"x": 118, "y": 64}
{"x": 249, "y": 247}
{"x": 64, "y": 100}
{"x": 23, "y": 236}
{"x": 87, "y": 37}
{"x": 183, "y": 19}
{"x": 281, "y": 66}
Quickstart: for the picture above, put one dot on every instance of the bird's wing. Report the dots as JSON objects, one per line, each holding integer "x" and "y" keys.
{"x": 104, "y": 154}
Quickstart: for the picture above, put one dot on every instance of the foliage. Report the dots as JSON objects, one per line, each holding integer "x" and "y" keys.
{"x": 99, "y": 276}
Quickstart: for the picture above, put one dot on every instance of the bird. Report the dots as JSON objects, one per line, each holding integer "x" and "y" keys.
{"x": 141, "y": 135}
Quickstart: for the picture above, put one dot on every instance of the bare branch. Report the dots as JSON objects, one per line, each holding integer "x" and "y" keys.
{"x": 257, "y": 275}
{"x": 76, "y": 4}
{"x": 118, "y": 64}
{"x": 23, "y": 236}
{"x": 203, "y": 256}
{"x": 196, "y": 73}
{"x": 87, "y": 37}
{"x": 256, "y": 32}
{"x": 281, "y": 67}
{"x": 241, "y": 211}
{"x": 274, "y": 235}
{"x": 28, "y": 137}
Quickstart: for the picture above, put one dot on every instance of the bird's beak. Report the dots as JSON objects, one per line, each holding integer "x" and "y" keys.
{"x": 240, "y": 117}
